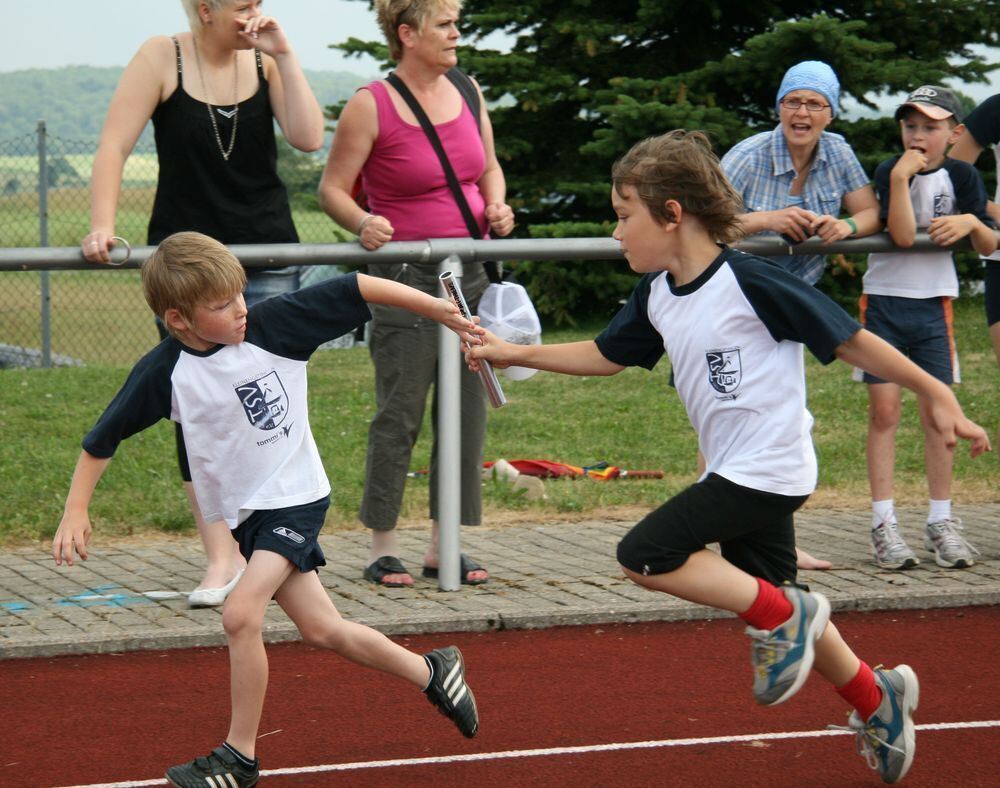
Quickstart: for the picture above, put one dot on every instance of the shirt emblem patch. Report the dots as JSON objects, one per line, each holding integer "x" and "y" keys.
{"x": 724, "y": 370}
{"x": 264, "y": 400}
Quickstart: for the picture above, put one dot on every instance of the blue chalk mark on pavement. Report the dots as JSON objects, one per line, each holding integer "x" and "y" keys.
{"x": 102, "y": 596}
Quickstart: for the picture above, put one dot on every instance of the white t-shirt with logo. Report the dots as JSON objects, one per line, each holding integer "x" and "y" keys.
{"x": 243, "y": 407}
{"x": 734, "y": 337}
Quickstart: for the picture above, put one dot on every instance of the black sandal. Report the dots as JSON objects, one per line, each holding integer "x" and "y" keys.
{"x": 467, "y": 566}
{"x": 387, "y": 565}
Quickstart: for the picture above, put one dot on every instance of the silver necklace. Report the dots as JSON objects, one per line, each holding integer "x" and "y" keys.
{"x": 226, "y": 153}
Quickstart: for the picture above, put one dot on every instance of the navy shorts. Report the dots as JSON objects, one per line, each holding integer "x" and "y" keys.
{"x": 920, "y": 328}
{"x": 292, "y": 532}
{"x": 991, "y": 281}
{"x": 755, "y": 530}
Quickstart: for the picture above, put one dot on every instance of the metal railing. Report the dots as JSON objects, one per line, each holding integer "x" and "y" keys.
{"x": 449, "y": 255}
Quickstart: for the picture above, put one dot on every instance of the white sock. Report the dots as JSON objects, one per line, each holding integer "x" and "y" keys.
{"x": 940, "y": 510}
{"x": 882, "y": 512}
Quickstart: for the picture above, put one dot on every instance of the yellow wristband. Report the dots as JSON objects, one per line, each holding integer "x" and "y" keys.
{"x": 851, "y": 223}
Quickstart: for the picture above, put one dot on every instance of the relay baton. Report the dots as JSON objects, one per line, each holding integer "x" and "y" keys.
{"x": 486, "y": 374}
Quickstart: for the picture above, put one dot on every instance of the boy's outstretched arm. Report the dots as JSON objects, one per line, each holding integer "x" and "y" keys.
{"x": 569, "y": 358}
{"x": 75, "y": 529}
{"x": 946, "y": 230}
{"x": 385, "y": 291}
{"x": 875, "y": 355}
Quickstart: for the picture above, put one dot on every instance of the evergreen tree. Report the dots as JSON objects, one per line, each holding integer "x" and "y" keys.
{"x": 584, "y": 80}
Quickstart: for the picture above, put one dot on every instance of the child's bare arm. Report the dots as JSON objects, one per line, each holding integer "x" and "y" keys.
{"x": 946, "y": 230}
{"x": 569, "y": 358}
{"x": 901, "y": 221}
{"x": 75, "y": 529}
{"x": 875, "y": 355}
{"x": 386, "y": 291}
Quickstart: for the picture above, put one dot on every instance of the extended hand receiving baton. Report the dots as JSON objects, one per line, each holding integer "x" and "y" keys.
{"x": 486, "y": 374}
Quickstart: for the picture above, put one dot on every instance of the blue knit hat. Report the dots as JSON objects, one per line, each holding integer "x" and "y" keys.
{"x": 811, "y": 75}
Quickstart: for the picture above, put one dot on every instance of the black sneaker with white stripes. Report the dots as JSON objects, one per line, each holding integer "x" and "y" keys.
{"x": 219, "y": 769}
{"x": 448, "y": 691}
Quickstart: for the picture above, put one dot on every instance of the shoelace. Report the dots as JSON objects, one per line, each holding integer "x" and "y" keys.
{"x": 950, "y": 536}
{"x": 767, "y": 650}
{"x": 866, "y": 741}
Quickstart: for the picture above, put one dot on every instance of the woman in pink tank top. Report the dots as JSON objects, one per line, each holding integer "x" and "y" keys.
{"x": 379, "y": 139}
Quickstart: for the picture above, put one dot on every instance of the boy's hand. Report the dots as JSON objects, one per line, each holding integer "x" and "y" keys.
{"x": 73, "y": 534}
{"x": 909, "y": 164}
{"x": 946, "y": 230}
{"x": 948, "y": 419}
{"x": 795, "y": 223}
{"x": 447, "y": 314}
{"x": 490, "y": 347}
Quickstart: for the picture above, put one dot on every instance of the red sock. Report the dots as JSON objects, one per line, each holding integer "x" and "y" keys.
{"x": 862, "y": 692}
{"x": 770, "y": 609}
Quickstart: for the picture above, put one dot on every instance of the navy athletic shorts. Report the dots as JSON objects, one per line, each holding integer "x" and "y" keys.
{"x": 920, "y": 328}
{"x": 292, "y": 532}
{"x": 755, "y": 530}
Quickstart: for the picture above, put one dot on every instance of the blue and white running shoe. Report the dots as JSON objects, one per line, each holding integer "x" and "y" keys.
{"x": 783, "y": 657}
{"x": 888, "y": 740}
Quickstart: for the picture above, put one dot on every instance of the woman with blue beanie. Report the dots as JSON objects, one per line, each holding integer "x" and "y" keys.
{"x": 795, "y": 179}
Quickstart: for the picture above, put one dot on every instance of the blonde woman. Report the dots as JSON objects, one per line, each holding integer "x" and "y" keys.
{"x": 213, "y": 94}
{"x": 409, "y": 199}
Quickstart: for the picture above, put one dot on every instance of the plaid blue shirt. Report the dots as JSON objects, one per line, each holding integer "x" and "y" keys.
{"x": 760, "y": 169}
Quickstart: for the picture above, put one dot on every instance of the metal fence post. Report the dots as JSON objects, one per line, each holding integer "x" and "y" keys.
{"x": 43, "y": 240}
{"x": 449, "y": 470}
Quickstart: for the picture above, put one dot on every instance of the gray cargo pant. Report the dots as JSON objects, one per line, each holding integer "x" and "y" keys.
{"x": 404, "y": 349}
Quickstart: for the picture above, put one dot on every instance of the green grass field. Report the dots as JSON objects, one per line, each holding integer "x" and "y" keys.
{"x": 632, "y": 420}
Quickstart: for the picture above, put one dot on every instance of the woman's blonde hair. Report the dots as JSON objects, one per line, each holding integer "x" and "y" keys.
{"x": 191, "y": 9}
{"x": 188, "y": 269}
{"x": 393, "y": 13}
{"x": 681, "y": 166}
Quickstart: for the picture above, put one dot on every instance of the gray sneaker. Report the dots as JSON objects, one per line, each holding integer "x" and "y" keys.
{"x": 891, "y": 552}
{"x": 945, "y": 540}
{"x": 887, "y": 740}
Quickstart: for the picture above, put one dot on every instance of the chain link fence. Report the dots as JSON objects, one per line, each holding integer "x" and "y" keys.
{"x": 97, "y": 317}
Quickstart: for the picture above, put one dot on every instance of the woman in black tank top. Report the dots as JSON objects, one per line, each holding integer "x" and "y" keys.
{"x": 213, "y": 95}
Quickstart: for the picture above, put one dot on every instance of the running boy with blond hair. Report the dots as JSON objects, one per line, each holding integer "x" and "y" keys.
{"x": 235, "y": 379}
{"x": 733, "y": 325}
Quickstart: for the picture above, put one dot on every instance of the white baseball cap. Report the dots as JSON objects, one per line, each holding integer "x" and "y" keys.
{"x": 507, "y": 311}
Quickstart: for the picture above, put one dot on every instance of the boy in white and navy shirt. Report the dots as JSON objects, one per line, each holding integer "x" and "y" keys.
{"x": 907, "y": 301}
{"x": 235, "y": 380}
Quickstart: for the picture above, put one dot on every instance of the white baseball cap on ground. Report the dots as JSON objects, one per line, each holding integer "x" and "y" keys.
{"x": 507, "y": 311}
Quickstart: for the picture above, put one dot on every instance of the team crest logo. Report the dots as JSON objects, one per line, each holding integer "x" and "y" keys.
{"x": 264, "y": 401}
{"x": 943, "y": 205}
{"x": 724, "y": 370}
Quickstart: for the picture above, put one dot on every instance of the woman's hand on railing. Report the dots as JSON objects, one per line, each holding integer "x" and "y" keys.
{"x": 501, "y": 218}
{"x": 97, "y": 245}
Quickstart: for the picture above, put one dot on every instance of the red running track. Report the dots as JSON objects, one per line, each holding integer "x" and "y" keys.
{"x": 125, "y": 718}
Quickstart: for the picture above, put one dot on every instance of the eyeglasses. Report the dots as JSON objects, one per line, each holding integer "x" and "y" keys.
{"x": 793, "y": 105}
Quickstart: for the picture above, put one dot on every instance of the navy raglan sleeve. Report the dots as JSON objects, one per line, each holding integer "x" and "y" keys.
{"x": 970, "y": 191}
{"x": 984, "y": 122}
{"x": 630, "y": 339}
{"x": 793, "y": 310}
{"x": 294, "y": 324}
{"x": 143, "y": 400}
{"x": 882, "y": 173}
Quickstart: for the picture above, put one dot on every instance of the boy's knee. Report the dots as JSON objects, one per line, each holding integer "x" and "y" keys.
{"x": 883, "y": 416}
{"x": 240, "y": 620}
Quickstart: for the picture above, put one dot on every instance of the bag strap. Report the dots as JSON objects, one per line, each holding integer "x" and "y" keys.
{"x": 492, "y": 270}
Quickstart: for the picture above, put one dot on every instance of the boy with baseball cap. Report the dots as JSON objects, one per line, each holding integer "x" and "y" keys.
{"x": 906, "y": 300}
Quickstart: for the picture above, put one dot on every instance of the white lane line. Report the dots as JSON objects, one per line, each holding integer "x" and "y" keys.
{"x": 551, "y": 751}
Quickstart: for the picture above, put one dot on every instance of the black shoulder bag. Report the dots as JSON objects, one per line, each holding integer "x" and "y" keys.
{"x": 464, "y": 84}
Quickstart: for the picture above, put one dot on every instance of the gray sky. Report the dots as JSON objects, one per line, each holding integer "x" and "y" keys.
{"x": 53, "y": 33}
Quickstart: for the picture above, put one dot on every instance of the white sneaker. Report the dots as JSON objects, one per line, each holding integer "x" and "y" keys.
{"x": 213, "y": 597}
{"x": 891, "y": 552}
{"x": 945, "y": 540}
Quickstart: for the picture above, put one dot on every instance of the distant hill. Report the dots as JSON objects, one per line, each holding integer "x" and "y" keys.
{"x": 73, "y": 100}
